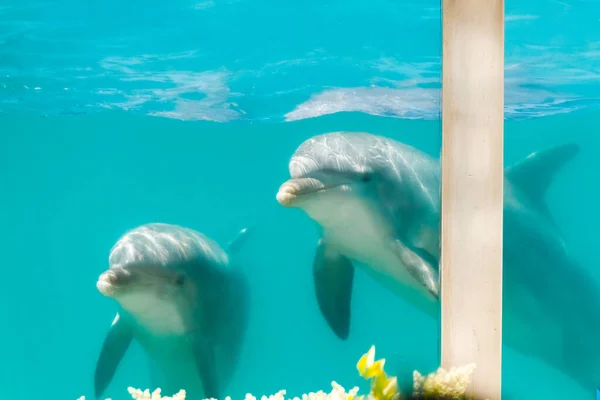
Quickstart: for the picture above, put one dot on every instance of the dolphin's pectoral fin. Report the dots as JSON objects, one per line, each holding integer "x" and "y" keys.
{"x": 204, "y": 355}
{"x": 333, "y": 276}
{"x": 534, "y": 174}
{"x": 420, "y": 264}
{"x": 114, "y": 347}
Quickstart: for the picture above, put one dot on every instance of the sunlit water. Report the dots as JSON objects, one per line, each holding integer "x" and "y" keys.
{"x": 115, "y": 114}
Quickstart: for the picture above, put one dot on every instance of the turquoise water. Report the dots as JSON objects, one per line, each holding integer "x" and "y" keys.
{"x": 76, "y": 194}
{"x": 117, "y": 114}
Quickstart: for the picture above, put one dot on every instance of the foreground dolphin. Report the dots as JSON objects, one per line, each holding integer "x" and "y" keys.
{"x": 377, "y": 202}
{"x": 183, "y": 300}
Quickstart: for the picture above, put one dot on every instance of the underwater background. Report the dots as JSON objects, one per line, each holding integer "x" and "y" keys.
{"x": 115, "y": 114}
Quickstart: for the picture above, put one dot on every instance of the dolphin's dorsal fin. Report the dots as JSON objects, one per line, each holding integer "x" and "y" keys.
{"x": 534, "y": 174}
{"x": 238, "y": 241}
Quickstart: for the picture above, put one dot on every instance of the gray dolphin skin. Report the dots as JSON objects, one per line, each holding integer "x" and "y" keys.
{"x": 184, "y": 300}
{"x": 377, "y": 203}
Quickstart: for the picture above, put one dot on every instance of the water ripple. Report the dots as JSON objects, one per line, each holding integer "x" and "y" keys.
{"x": 232, "y": 60}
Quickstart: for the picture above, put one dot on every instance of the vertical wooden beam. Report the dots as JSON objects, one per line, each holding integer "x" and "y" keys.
{"x": 472, "y": 189}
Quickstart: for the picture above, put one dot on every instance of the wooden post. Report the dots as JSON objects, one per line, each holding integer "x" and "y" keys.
{"x": 472, "y": 190}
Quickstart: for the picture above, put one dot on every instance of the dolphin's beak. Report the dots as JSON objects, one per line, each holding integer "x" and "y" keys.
{"x": 286, "y": 195}
{"x": 106, "y": 283}
{"x": 291, "y": 190}
{"x": 113, "y": 280}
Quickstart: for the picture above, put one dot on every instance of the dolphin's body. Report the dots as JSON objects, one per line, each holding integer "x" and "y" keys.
{"x": 377, "y": 202}
{"x": 184, "y": 301}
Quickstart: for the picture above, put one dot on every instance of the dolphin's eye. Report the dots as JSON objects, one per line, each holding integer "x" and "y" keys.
{"x": 366, "y": 177}
{"x": 180, "y": 280}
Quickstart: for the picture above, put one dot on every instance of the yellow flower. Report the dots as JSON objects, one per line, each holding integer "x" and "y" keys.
{"x": 382, "y": 387}
{"x": 385, "y": 387}
{"x": 368, "y": 367}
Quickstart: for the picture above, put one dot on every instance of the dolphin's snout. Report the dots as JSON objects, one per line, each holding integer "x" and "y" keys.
{"x": 286, "y": 194}
{"x": 106, "y": 283}
{"x": 296, "y": 188}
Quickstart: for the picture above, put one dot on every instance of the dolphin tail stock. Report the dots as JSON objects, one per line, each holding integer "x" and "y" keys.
{"x": 239, "y": 240}
{"x": 115, "y": 345}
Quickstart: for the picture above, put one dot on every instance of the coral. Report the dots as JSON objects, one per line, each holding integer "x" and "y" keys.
{"x": 442, "y": 384}
{"x": 137, "y": 394}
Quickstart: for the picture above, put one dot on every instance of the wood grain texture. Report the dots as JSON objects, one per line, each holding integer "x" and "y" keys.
{"x": 472, "y": 189}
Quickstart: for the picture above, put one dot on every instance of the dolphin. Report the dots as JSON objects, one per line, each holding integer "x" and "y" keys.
{"x": 184, "y": 300}
{"x": 377, "y": 203}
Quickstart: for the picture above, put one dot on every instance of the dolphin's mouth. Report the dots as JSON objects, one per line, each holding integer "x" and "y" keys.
{"x": 294, "y": 189}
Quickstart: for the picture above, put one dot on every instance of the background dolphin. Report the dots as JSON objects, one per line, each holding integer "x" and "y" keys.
{"x": 180, "y": 296}
{"x": 377, "y": 202}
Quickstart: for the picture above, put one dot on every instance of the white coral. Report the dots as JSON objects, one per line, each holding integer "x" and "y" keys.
{"x": 137, "y": 394}
{"x": 451, "y": 383}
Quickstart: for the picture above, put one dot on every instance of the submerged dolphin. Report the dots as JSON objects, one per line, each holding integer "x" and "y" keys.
{"x": 377, "y": 202}
{"x": 183, "y": 300}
